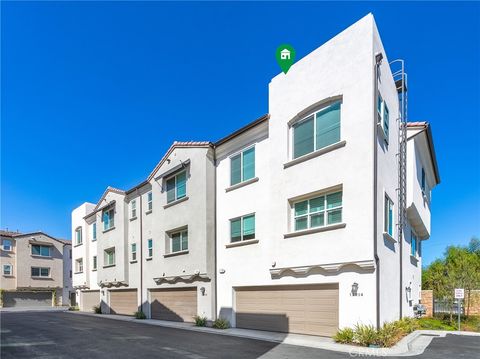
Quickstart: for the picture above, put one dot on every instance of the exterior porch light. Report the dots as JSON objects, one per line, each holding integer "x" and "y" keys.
{"x": 202, "y": 290}
{"x": 409, "y": 292}
{"x": 354, "y": 289}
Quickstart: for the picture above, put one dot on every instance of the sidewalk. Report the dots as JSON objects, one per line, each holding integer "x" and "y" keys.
{"x": 413, "y": 344}
{"x": 33, "y": 309}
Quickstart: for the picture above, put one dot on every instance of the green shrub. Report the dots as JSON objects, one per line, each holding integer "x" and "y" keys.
{"x": 344, "y": 336}
{"x": 74, "y": 308}
{"x": 221, "y": 323}
{"x": 389, "y": 334}
{"x": 407, "y": 325}
{"x": 97, "y": 309}
{"x": 140, "y": 315}
{"x": 200, "y": 321}
{"x": 365, "y": 335}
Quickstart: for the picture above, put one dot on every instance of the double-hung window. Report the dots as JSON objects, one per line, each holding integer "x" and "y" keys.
{"x": 108, "y": 218}
{"x": 41, "y": 272}
{"x": 318, "y": 211}
{"x": 317, "y": 130}
{"x": 7, "y": 269}
{"x": 133, "y": 208}
{"x": 388, "y": 220}
{"x": 7, "y": 245}
{"x": 179, "y": 241}
{"x": 149, "y": 201}
{"x": 242, "y": 228}
{"x": 149, "y": 248}
{"x": 383, "y": 116}
{"x": 109, "y": 257}
{"x": 94, "y": 231}
{"x": 79, "y": 265}
{"x": 177, "y": 187}
{"x": 134, "y": 251}
{"x": 78, "y": 236}
{"x": 413, "y": 245}
{"x": 94, "y": 263}
{"x": 242, "y": 166}
{"x": 38, "y": 250}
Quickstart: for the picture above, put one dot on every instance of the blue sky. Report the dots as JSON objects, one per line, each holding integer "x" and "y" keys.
{"x": 93, "y": 94}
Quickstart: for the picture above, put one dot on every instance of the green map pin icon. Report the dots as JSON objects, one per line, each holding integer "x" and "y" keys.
{"x": 285, "y": 55}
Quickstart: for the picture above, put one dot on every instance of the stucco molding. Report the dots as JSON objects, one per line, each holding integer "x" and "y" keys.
{"x": 188, "y": 278}
{"x": 333, "y": 268}
{"x": 113, "y": 284}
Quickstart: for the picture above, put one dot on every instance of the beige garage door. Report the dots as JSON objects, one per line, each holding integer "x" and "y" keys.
{"x": 89, "y": 299}
{"x": 123, "y": 301}
{"x": 176, "y": 304}
{"x": 304, "y": 309}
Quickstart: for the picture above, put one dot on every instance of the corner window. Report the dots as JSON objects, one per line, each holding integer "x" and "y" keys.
{"x": 79, "y": 265}
{"x": 242, "y": 228}
{"x": 108, "y": 218}
{"x": 383, "y": 116}
{"x": 179, "y": 241}
{"x": 149, "y": 248}
{"x": 133, "y": 247}
{"x": 7, "y": 269}
{"x": 413, "y": 245}
{"x": 388, "y": 220}
{"x": 133, "y": 208}
{"x": 177, "y": 187}
{"x": 94, "y": 231}
{"x": 7, "y": 245}
{"x": 242, "y": 166}
{"x": 109, "y": 257}
{"x": 317, "y": 130}
{"x": 78, "y": 236}
{"x": 40, "y": 272}
{"x": 38, "y": 250}
{"x": 149, "y": 201}
{"x": 318, "y": 211}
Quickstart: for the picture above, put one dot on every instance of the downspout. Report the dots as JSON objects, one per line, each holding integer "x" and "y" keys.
{"x": 215, "y": 230}
{"x": 141, "y": 253}
{"x": 378, "y": 61}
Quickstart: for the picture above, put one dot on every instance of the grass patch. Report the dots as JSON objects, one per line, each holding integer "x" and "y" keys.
{"x": 442, "y": 322}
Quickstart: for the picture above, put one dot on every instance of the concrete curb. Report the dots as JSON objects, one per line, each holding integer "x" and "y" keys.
{"x": 413, "y": 344}
{"x": 39, "y": 309}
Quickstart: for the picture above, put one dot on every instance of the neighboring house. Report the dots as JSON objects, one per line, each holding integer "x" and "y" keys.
{"x": 35, "y": 270}
{"x": 308, "y": 219}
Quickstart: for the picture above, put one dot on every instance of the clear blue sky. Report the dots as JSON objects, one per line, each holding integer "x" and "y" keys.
{"x": 93, "y": 94}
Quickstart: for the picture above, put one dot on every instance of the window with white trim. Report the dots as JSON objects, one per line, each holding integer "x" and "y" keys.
{"x": 149, "y": 201}
{"x": 40, "y": 272}
{"x": 242, "y": 228}
{"x": 316, "y": 131}
{"x": 133, "y": 249}
{"x": 383, "y": 116}
{"x": 388, "y": 216}
{"x": 319, "y": 211}
{"x": 78, "y": 236}
{"x": 150, "y": 248}
{"x": 413, "y": 245}
{"x": 108, "y": 217}
{"x": 109, "y": 257}
{"x": 177, "y": 187}
{"x": 7, "y": 245}
{"x": 133, "y": 209}
{"x": 94, "y": 265}
{"x": 39, "y": 250}
{"x": 242, "y": 166}
{"x": 79, "y": 265}
{"x": 7, "y": 269}
{"x": 179, "y": 241}
{"x": 94, "y": 231}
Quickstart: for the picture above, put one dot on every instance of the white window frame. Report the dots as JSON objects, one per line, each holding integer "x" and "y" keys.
{"x": 176, "y": 188}
{"x": 40, "y": 272}
{"x": 79, "y": 265}
{"x": 412, "y": 236}
{"x": 325, "y": 210}
{"x": 105, "y": 256}
{"x": 181, "y": 240}
{"x": 381, "y": 116}
{"x": 9, "y": 246}
{"x": 40, "y": 251}
{"x": 240, "y": 152}
{"x": 386, "y": 221}
{"x": 149, "y": 248}
{"x": 94, "y": 231}
{"x": 149, "y": 201}
{"x": 241, "y": 218}
{"x": 111, "y": 221}
{"x": 94, "y": 263}
{"x": 10, "y": 270}
{"x": 78, "y": 236}
{"x": 133, "y": 251}
{"x": 133, "y": 209}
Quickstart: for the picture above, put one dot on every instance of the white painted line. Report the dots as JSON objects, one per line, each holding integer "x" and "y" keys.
{"x": 31, "y": 344}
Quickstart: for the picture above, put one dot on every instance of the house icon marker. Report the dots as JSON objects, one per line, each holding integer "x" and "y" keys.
{"x": 285, "y": 54}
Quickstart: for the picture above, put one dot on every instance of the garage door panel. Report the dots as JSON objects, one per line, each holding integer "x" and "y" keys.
{"x": 27, "y": 299}
{"x": 175, "y": 304}
{"x": 123, "y": 302}
{"x": 89, "y": 299}
{"x": 306, "y": 309}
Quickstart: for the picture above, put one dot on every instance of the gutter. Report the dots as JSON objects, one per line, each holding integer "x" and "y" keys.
{"x": 141, "y": 252}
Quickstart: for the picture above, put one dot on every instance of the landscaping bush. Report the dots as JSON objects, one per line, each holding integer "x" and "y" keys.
{"x": 407, "y": 325}
{"x": 97, "y": 309}
{"x": 200, "y": 321}
{"x": 344, "y": 336}
{"x": 221, "y": 323}
{"x": 389, "y": 334}
{"x": 140, "y": 315}
{"x": 365, "y": 335}
{"x": 74, "y": 308}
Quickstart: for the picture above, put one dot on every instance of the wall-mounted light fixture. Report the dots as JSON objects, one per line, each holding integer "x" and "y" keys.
{"x": 221, "y": 270}
{"x": 202, "y": 290}
{"x": 408, "y": 291}
{"x": 354, "y": 292}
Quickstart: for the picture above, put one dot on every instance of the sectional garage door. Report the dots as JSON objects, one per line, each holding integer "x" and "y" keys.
{"x": 123, "y": 301}
{"x": 89, "y": 299}
{"x": 27, "y": 299}
{"x": 304, "y": 309}
{"x": 176, "y": 304}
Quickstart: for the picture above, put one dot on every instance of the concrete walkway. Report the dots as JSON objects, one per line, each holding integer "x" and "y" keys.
{"x": 413, "y": 344}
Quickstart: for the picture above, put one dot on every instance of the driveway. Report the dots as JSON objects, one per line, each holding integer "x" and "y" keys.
{"x": 63, "y": 335}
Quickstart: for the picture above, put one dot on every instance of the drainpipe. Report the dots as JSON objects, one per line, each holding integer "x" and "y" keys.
{"x": 141, "y": 252}
{"x": 378, "y": 61}
{"x": 215, "y": 231}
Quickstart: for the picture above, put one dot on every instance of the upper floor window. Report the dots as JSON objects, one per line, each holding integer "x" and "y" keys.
{"x": 149, "y": 201}
{"x": 94, "y": 266}
{"x": 150, "y": 248}
{"x": 177, "y": 187}
{"x": 383, "y": 115}
{"x": 242, "y": 166}
{"x": 38, "y": 250}
{"x": 41, "y": 272}
{"x": 179, "y": 241}
{"x": 7, "y": 269}
{"x": 7, "y": 245}
{"x": 242, "y": 228}
{"x": 109, "y": 257}
{"x": 94, "y": 231}
{"x": 317, "y": 131}
{"x": 318, "y": 211}
{"x": 423, "y": 181}
{"x": 108, "y": 218}
{"x": 388, "y": 220}
{"x": 78, "y": 236}
{"x": 79, "y": 265}
{"x": 133, "y": 208}
{"x": 413, "y": 245}
{"x": 133, "y": 248}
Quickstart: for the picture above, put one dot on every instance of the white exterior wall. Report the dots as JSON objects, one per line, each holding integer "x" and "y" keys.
{"x": 67, "y": 280}
{"x": 81, "y": 251}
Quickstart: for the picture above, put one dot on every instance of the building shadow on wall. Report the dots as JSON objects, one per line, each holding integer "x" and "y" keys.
{"x": 161, "y": 312}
